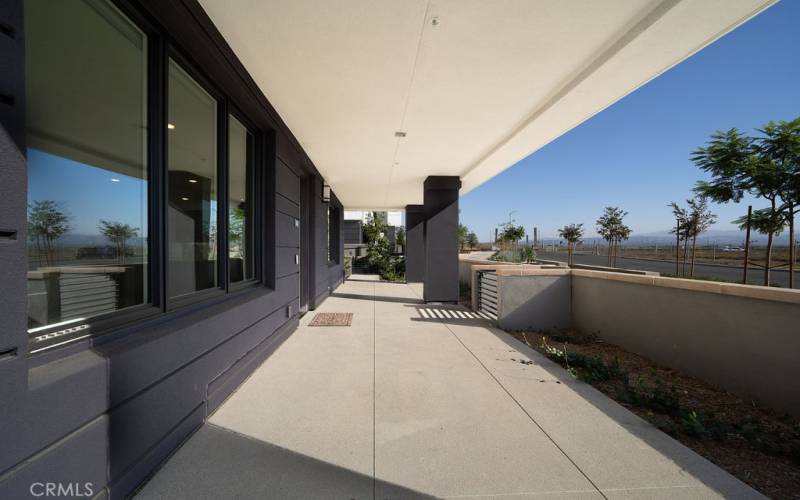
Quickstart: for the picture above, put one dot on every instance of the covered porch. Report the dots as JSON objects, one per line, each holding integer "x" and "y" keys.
{"x": 421, "y": 400}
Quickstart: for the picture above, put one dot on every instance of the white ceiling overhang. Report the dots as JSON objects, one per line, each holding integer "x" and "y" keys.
{"x": 476, "y": 85}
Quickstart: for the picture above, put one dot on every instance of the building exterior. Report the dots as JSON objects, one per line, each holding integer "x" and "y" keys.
{"x": 163, "y": 225}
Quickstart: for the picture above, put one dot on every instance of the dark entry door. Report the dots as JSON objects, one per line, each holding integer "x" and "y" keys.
{"x": 305, "y": 254}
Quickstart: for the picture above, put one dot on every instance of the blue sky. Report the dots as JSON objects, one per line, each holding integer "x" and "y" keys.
{"x": 635, "y": 154}
{"x": 86, "y": 193}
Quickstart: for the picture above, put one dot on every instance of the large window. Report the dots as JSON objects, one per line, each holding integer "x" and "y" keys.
{"x": 192, "y": 190}
{"x": 87, "y": 163}
{"x": 240, "y": 202}
{"x": 142, "y": 189}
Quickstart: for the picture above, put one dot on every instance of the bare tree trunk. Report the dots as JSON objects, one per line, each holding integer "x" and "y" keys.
{"x": 685, "y": 253}
{"x": 694, "y": 250}
{"x": 677, "y": 246}
{"x": 791, "y": 246}
{"x": 768, "y": 258}
{"x": 747, "y": 243}
{"x": 609, "y": 253}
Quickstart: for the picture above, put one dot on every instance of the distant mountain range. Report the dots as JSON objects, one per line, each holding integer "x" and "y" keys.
{"x": 719, "y": 237}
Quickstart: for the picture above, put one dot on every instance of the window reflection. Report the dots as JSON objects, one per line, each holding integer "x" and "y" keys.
{"x": 192, "y": 185}
{"x": 87, "y": 172}
{"x": 240, "y": 202}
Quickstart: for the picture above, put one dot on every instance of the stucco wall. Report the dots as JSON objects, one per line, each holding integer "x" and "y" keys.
{"x": 739, "y": 337}
{"x": 747, "y": 345}
{"x": 534, "y": 304}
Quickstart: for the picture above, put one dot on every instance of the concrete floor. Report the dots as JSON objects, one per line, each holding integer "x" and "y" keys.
{"x": 416, "y": 401}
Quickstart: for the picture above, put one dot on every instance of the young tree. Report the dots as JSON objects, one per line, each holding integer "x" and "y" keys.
{"x": 463, "y": 232}
{"x": 740, "y": 164}
{"x": 119, "y": 234}
{"x": 611, "y": 228}
{"x": 780, "y": 143}
{"x": 46, "y": 224}
{"x": 700, "y": 219}
{"x": 511, "y": 233}
{"x": 681, "y": 232}
{"x": 472, "y": 240}
{"x": 572, "y": 233}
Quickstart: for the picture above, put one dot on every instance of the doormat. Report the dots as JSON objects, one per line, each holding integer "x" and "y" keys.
{"x": 332, "y": 319}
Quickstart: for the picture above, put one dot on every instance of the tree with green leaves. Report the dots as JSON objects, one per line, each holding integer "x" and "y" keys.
{"x": 510, "y": 233}
{"x": 780, "y": 143}
{"x": 611, "y": 227}
{"x": 572, "y": 233}
{"x": 472, "y": 240}
{"x": 119, "y": 234}
{"x": 767, "y": 222}
{"x": 401, "y": 237}
{"x": 691, "y": 222}
{"x": 764, "y": 166}
{"x": 375, "y": 230}
{"x": 700, "y": 219}
{"x": 47, "y": 222}
{"x": 681, "y": 232}
{"x": 463, "y": 232}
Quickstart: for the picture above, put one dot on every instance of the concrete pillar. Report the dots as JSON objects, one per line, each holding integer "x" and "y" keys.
{"x": 415, "y": 243}
{"x": 440, "y": 202}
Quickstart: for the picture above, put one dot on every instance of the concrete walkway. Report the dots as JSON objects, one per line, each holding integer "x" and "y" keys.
{"x": 416, "y": 401}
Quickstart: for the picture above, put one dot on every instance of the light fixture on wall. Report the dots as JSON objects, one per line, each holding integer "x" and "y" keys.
{"x": 326, "y": 193}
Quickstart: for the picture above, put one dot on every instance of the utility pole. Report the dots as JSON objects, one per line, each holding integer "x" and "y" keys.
{"x": 747, "y": 243}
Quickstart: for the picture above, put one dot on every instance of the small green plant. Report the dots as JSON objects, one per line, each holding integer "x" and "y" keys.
{"x": 693, "y": 424}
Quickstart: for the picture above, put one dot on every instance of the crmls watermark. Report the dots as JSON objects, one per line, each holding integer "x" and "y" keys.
{"x": 62, "y": 489}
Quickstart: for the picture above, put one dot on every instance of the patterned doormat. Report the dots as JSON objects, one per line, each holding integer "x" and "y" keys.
{"x": 332, "y": 319}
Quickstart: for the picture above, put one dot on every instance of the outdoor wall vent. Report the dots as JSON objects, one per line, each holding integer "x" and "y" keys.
{"x": 326, "y": 193}
{"x": 399, "y": 133}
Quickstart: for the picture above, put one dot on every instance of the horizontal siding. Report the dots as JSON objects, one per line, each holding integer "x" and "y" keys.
{"x": 287, "y": 183}
{"x": 287, "y": 233}
{"x": 287, "y": 206}
{"x": 286, "y": 259}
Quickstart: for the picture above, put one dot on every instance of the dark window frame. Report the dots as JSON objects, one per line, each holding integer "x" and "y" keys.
{"x": 259, "y": 194}
{"x": 160, "y": 49}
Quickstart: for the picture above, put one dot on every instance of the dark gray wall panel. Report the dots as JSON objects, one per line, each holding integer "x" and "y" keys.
{"x": 121, "y": 487}
{"x": 287, "y": 231}
{"x": 12, "y": 80}
{"x": 140, "y": 422}
{"x": 441, "y": 238}
{"x": 415, "y": 243}
{"x": 13, "y": 254}
{"x": 177, "y": 342}
{"x": 286, "y": 261}
{"x": 287, "y": 153}
{"x": 80, "y": 457}
{"x": 287, "y": 182}
{"x": 76, "y": 386}
{"x": 287, "y": 206}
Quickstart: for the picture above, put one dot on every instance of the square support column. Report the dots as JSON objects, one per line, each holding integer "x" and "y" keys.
{"x": 415, "y": 243}
{"x": 440, "y": 202}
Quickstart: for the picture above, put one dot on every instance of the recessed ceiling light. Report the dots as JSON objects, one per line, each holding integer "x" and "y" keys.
{"x": 114, "y": 180}
{"x": 193, "y": 181}
{"x": 399, "y": 133}
{"x": 184, "y": 198}
{"x": 170, "y": 126}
